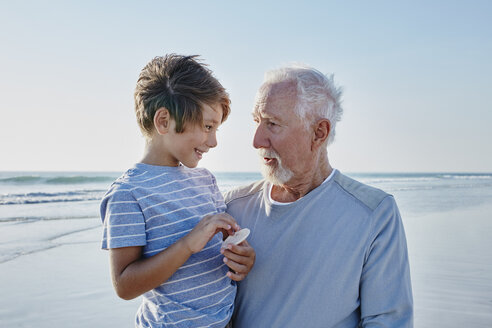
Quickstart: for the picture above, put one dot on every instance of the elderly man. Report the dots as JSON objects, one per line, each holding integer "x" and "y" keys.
{"x": 330, "y": 251}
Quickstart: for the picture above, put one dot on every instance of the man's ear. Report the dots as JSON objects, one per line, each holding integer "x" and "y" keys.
{"x": 321, "y": 133}
{"x": 162, "y": 121}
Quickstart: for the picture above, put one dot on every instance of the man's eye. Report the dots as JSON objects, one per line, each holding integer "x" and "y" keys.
{"x": 271, "y": 123}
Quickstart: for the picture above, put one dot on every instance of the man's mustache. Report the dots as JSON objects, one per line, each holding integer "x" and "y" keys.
{"x": 268, "y": 153}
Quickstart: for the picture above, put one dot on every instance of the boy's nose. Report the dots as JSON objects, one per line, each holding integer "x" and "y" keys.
{"x": 212, "y": 140}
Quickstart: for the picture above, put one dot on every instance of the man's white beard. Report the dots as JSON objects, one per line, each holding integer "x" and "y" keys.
{"x": 277, "y": 175}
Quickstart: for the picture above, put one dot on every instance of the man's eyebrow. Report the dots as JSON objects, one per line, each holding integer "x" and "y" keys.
{"x": 264, "y": 115}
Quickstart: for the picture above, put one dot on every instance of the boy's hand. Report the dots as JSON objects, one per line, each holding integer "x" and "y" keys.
{"x": 240, "y": 259}
{"x": 201, "y": 234}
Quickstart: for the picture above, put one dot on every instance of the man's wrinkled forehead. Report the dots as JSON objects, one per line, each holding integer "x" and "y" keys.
{"x": 278, "y": 93}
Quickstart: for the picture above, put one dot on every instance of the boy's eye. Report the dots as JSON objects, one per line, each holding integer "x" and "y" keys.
{"x": 208, "y": 127}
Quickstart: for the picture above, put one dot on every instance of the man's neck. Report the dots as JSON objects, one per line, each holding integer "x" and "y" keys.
{"x": 298, "y": 187}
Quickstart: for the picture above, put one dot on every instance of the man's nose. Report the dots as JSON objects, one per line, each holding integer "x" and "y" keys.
{"x": 260, "y": 139}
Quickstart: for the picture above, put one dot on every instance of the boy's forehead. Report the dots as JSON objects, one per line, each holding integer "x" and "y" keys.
{"x": 212, "y": 112}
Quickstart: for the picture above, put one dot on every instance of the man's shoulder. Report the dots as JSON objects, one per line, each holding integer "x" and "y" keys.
{"x": 371, "y": 197}
{"x": 244, "y": 191}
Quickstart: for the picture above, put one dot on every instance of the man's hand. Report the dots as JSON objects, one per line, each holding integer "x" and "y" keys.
{"x": 240, "y": 259}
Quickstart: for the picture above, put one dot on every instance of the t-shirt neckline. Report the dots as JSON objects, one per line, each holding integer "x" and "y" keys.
{"x": 274, "y": 202}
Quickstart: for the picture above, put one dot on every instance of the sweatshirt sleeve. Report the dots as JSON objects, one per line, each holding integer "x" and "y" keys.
{"x": 385, "y": 286}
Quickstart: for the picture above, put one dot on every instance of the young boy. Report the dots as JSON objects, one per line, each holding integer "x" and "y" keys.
{"x": 162, "y": 217}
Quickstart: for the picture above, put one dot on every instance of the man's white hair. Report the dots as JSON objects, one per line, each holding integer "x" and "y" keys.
{"x": 317, "y": 95}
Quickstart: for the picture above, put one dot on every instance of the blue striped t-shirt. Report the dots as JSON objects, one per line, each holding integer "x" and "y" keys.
{"x": 153, "y": 207}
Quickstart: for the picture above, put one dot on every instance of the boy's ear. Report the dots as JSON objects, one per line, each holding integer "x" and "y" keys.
{"x": 321, "y": 133}
{"x": 162, "y": 121}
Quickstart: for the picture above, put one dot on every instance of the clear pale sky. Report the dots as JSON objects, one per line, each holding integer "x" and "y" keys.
{"x": 417, "y": 77}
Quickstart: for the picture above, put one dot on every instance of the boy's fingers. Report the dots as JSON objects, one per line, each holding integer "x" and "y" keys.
{"x": 224, "y": 221}
{"x": 221, "y": 225}
{"x": 229, "y": 219}
{"x": 225, "y": 218}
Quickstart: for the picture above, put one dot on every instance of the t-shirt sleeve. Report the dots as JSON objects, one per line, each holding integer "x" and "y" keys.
{"x": 123, "y": 220}
{"x": 385, "y": 290}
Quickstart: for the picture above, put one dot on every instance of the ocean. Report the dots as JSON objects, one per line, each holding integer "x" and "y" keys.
{"x": 31, "y": 196}
{"x": 52, "y": 264}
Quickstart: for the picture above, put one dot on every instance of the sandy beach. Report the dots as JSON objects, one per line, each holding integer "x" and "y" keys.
{"x": 65, "y": 283}
{"x": 56, "y": 275}
{"x": 451, "y": 267}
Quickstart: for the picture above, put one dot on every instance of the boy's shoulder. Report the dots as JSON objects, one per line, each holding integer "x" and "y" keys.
{"x": 131, "y": 177}
{"x": 201, "y": 170}
{"x": 138, "y": 177}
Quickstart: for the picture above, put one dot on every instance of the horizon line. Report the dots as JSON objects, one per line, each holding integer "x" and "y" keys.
{"x": 254, "y": 172}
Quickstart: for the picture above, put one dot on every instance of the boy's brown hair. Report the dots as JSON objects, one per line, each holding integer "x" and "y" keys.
{"x": 180, "y": 84}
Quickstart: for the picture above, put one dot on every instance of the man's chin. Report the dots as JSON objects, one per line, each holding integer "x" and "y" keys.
{"x": 276, "y": 176}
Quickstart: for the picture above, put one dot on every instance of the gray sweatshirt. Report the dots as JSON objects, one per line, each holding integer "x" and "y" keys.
{"x": 337, "y": 257}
